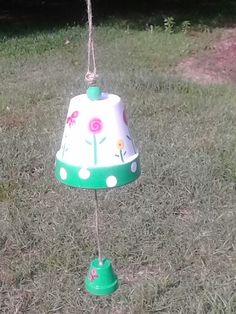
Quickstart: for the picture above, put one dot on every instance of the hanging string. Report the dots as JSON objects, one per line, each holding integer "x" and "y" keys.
{"x": 97, "y": 228}
{"x": 91, "y": 75}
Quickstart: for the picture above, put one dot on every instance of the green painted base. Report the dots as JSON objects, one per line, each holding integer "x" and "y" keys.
{"x": 101, "y": 279}
{"x": 100, "y": 177}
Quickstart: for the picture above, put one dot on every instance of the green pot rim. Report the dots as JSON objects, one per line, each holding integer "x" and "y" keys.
{"x": 99, "y": 177}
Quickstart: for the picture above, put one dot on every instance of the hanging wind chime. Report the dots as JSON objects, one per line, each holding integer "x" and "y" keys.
{"x": 97, "y": 152}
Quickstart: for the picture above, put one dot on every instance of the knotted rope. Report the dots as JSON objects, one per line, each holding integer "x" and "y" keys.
{"x": 91, "y": 75}
{"x": 97, "y": 229}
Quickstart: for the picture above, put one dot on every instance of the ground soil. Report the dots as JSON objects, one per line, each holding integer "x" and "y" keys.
{"x": 215, "y": 66}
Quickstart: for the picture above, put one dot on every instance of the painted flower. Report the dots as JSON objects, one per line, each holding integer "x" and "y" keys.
{"x": 125, "y": 118}
{"x": 93, "y": 275}
{"x": 94, "y": 272}
{"x": 120, "y": 144}
{"x": 71, "y": 119}
{"x": 95, "y": 125}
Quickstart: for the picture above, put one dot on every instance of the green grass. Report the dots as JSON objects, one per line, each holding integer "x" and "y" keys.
{"x": 171, "y": 235}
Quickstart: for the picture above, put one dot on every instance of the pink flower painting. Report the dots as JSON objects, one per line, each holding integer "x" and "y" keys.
{"x": 95, "y": 126}
{"x": 93, "y": 275}
{"x": 70, "y": 120}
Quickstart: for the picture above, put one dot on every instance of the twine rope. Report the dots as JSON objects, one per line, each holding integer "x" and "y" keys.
{"x": 91, "y": 75}
{"x": 97, "y": 228}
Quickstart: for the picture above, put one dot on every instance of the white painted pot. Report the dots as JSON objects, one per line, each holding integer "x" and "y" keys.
{"x": 97, "y": 149}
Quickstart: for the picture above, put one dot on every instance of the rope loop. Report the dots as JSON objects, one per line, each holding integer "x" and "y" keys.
{"x": 91, "y": 78}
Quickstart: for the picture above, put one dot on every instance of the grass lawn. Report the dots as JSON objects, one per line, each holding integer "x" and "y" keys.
{"x": 170, "y": 235}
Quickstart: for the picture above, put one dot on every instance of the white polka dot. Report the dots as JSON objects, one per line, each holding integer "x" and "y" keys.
{"x": 134, "y": 166}
{"x": 111, "y": 181}
{"x": 84, "y": 173}
{"x": 63, "y": 173}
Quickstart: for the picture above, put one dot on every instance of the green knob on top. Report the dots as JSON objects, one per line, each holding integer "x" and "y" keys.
{"x": 94, "y": 92}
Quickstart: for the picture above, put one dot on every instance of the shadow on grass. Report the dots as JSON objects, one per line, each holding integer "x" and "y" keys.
{"x": 48, "y": 16}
